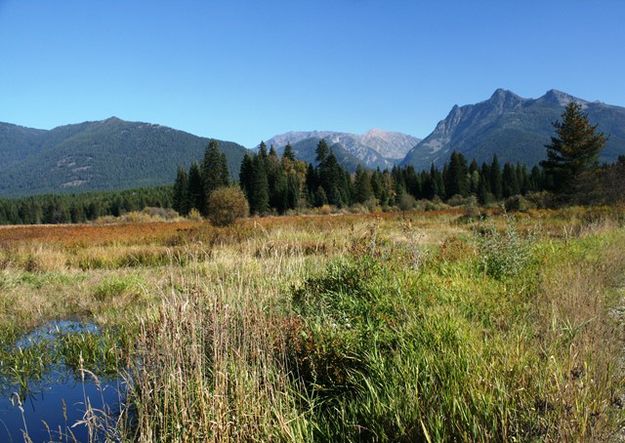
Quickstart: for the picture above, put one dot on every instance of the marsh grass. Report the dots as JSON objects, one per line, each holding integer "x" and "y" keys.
{"x": 368, "y": 327}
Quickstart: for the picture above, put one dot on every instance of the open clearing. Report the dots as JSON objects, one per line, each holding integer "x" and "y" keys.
{"x": 408, "y": 326}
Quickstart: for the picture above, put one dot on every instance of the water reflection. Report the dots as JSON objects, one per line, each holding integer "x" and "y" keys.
{"x": 63, "y": 405}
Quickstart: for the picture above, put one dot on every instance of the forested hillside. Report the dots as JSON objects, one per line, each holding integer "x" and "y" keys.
{"x": 101, "y": 155}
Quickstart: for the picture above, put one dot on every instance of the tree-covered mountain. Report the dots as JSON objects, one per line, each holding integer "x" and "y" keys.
{"x": 99, "y": 155}
{"x": 373, "y": 149}
{"x": 514, "y": 128}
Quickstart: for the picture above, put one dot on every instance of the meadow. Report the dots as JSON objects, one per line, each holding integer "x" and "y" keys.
{"x": 396, "y": 326}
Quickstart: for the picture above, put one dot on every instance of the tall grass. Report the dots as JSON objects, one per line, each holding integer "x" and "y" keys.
{"x": 390, "y": 327}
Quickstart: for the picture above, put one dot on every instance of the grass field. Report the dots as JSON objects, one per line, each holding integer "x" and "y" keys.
{"x": 415, "y": 326}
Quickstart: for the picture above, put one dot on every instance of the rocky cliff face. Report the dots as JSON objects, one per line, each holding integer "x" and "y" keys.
{"x": 513, "y": 127}
{"x": 375, "y": 148}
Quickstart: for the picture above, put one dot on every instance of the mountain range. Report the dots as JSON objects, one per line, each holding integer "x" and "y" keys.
{"x": 117, "y": 154}
{"x": 373, "y": 149}
{"x": 98, "y": 155}
{"x": 514, "y": 128}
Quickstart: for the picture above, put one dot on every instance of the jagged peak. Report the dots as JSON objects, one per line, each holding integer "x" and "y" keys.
{"x": 501, "y": 94}
{"x": 375, "y": 132}
{"x": 561, "y": 98}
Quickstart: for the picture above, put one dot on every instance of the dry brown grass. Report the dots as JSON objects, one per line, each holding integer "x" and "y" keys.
{"x": 580, "y": 336}
{"x": 212, "y": 313}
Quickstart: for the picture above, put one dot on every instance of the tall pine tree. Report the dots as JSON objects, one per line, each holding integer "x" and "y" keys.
{"x": 574, "y": 150}
{"x": 181, "y": 192}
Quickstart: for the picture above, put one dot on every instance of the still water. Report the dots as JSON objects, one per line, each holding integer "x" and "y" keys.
{"x": 53, "y": 407}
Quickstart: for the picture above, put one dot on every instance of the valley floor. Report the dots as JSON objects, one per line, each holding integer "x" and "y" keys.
{"x": 413, "y": 326}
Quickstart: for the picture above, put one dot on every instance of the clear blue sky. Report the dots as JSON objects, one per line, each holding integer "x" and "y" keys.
{"x": 246, "y": 70}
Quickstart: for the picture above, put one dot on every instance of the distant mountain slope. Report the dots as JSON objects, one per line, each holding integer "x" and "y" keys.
{"x": 306, "y": 150}
{"x": 514, "y": 128}
{"x": 375, "y": 148}
{"x": 108, "y": 154}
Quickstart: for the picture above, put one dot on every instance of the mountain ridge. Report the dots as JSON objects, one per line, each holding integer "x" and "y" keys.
{"x": 513, "y": 127}
{"x": 104, "y": 154}
{"x": 374, "y": 148}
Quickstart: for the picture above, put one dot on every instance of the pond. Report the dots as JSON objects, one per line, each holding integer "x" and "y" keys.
{"x": 58, "y": 404}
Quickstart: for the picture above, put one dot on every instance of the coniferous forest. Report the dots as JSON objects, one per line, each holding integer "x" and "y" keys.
{"x": 274, "y": 184}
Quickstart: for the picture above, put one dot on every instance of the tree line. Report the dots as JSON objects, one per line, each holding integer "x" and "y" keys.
{"x": 80, "y": 208}
{"x": 276, "y": 184}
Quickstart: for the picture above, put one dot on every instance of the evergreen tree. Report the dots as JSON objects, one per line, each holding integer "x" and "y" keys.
{"x": 181, "y": 192}
{"x": 536, "y": 181}
{"x": 288, "y": 152}
{"x": 225, "y": 174}
{"x": 456, "y": 178}
{"x": 293, "y": 191}
{"x": 412, "y": 181}
{"x": 496, "y": 183}
{"x": 214, "y": 169}
{"x": 278, "y": 197}
{"x": 320, "y": 197}
{"x": 574, "y": 150}
{"x": 510, "y": 183}
{"x": 474, "y": 167}
{"x": 262, "y": 150}
{"x": 484, "y": 195}
{"x": 362, "y": 185}
{"x": 439, "y": 183}
{"x": 522, "y": 178}
{"x": 196, "y": 189}
{"x": 322, "y": 151}
{"x": 246, "y": 175}
{"x": 259, "y": 203}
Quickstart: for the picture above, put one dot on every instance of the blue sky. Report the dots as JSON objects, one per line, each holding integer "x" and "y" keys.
{"x": 246, "y": 70}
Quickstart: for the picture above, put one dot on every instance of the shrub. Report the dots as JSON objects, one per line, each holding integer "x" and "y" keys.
{"x": 518, "y": 203}
{"x": 503, "y": 254}
{"x": 372, "y": 204}
{"x": 541, "y": 200}
{"x": 226, "y": 205}
{"x": 435, "y": 204}
{"x": 407, "y": 202}
{"x": 456, "y": 200}
{"x": 194, "y": 215}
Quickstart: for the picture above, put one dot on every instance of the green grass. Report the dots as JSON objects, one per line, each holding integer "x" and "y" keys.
{"x": 398, "y": 328}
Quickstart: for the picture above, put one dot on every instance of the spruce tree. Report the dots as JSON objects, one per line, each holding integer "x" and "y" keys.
{"x": 225, "y": 174}
{"x": 196, "y": 189}
{"x": 536, "y": 179}
{"x": 509, "y": 180}
{"x": 322, "y": 151}
{"x": 181, "y": 192}
{"x": 246, "y": 175}
{"x": 362, "y": 185}
{"x": 288, "y": 152}
{"x": 262, "y": 150}
{"x": 259, "y": 203}
{"x": 293, "y": 191}
{"x": 456, "y": 179}
{"x": 574, "y": 150}
{"x": 312, "y": 183}
{"x": 214, "y": 169}
{"x": 496, "y": 183}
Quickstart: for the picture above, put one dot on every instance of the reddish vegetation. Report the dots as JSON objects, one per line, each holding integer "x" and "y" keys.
{"x": 141, "y": 233}
{"x": 92, "y": 234}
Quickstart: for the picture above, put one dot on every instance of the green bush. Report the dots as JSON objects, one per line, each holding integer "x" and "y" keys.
{"x": 503, "y": 254}
{"x": 407, "y": 202}
{"x": 226, "y": 205}
{"x": 518, "y": 203}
